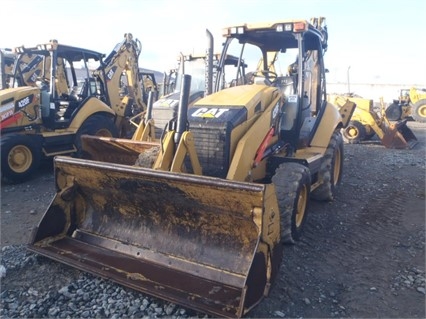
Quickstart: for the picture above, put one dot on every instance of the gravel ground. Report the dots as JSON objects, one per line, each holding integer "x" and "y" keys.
{"x": 362, "y": 255}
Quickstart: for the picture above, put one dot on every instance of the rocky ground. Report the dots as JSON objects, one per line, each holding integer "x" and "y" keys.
{"x": 362, "y": 255}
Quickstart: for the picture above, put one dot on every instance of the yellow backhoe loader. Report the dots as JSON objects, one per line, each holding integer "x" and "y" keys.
{"x": 410, "y": 104}
{"x": 47, "y": 109}
{"x": 34, "y": 118}
{"x": 199, "y": 217}
{"x": 366, "y": 123}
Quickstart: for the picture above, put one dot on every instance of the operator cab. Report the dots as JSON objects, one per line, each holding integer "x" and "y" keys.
{"x": 288, "y": 56}
{"x": 60, "y": 82}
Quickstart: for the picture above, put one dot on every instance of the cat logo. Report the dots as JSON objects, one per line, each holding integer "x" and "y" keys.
{"x": 111, "y": 73}
{"x": 209, "y": 112}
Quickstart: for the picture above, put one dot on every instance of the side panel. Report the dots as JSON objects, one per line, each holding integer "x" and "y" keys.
{"x": 329, "y": 121}
{"x": 19, "y": 107}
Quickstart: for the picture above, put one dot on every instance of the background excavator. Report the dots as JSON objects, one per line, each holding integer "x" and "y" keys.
{"x": 120, "y": 83}
{"x": 47, "y": 109}
{"x": 198, "y": 218}
{"x": 366, "y": 122}
{"x": 203, "y": 69}
{"x": 411, "y": 103}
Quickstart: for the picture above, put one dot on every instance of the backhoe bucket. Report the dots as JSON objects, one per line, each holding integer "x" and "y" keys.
{"x": 399, "y": 136}
{"x": 205, "y": 243}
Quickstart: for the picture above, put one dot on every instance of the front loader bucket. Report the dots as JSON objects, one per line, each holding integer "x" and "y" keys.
{"x": 113, "y": 150}
{"x": 399, "y": 136}
{"x": 205, "y": 243}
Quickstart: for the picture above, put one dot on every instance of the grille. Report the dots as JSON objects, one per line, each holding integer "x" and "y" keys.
{"x": 212, "y": 145}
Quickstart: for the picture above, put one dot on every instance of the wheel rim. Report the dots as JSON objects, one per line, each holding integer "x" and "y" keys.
{"x": 352, "y": 132}
{"x": 421, "y": 111}
{"x": 337, "y": 165}
{"x": 301, "y": 206}
{"x": 20, "y": 158}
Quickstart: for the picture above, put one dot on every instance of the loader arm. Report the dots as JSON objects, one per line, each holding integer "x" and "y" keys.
{"x": 144, "y": 123}
{"x": 180, "y": 142}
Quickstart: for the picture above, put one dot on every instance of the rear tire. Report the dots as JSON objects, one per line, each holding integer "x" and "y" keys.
{"x": 369, "y": 136}
{"x": 419, "y": 111}
{"x": 394, "y": 112}
{"x": 95, "y": 125}
{"x": 355, "y": 132}
{"x": 292, "y": 184}
{"x": 20, "y": 156}
{"x": 330, "y": 172}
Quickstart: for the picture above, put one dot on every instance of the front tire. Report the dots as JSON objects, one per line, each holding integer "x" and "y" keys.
{"x": 20, "y": 156}
{"x": 419, "y": 111}
{"x": 95, "y": 125}
{"x": 292, "y": 185}
{"x": 393, "y": 112}
{"x": 331, "y": 169}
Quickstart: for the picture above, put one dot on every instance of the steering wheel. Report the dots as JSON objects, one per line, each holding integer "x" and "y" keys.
{"x": 42, "y": 82}
{"x": 269, "y": 75}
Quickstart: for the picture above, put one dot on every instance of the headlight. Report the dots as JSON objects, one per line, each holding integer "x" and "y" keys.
{"x": 237, "y": 30}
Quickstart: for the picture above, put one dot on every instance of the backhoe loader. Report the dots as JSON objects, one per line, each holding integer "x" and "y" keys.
{"x": 411, "y": 103}
{"x": 203, "y": 69}
{"x": 199, "y": 218}
{"x": 36, "y": 121}
{"x": 46, "y": 111}
{"x": 366, "y": 123}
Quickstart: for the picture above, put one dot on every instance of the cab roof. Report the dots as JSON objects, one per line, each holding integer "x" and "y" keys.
{"x": 70, "y": 53}
{"x": 278, "y": 35}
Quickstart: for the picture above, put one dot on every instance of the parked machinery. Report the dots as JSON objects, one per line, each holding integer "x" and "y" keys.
{"x": 121, "y": 84}
{"x": 36, "y": 120}
{"x": 199, "y": 217}
{"x": 411, "y": 103}
{"x": 203, "y": 68}
{"x": 367, "y": 122}
{"x": 47, "y": 109}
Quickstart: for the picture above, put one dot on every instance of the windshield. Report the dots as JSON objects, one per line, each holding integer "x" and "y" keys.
{"x": 195, "y": 68}
{"x": 277, "y": 63}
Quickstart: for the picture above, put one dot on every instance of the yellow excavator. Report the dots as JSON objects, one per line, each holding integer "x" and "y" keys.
{"x": 199, "y": 217}
{"x": 47, "y": 109}
{"x": 366, "y": 122}
{"x": 121, "y": 83}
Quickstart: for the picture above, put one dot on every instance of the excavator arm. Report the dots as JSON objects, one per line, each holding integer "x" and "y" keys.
{"x": 120, "y": 80}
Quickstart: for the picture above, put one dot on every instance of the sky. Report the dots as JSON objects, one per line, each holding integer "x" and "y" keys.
{"x": 369, "y": 41}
